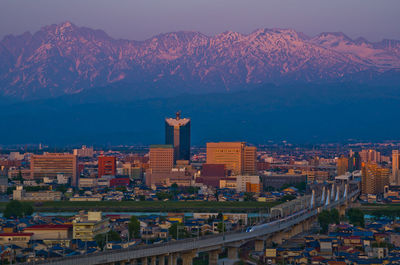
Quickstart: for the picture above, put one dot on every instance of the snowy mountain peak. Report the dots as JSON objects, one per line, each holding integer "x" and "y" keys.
{"x": 64, "y": 59}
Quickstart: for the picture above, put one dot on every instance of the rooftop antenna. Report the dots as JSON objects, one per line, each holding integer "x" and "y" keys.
{"x": 178, "y": 115}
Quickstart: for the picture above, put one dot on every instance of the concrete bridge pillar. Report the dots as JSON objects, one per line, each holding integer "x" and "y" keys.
{"x": 133, "y": 262}
{"x": 286, "y": 235}
{"x": 278, "y": 238}
{"x": 172, "y": 259}
{"x": 233, "y": 253}
{"x": 161, "y": 260}
{"x": 342, "y": 209}
{"x": 153, "y": 260}
{"x": 269, "y": 242}
{"x": 144, "y": 261}
{"x": 213, "y": 257}
{"x": 297, "y": 229}
{"x": 259, "y": 245}
{"x": 187, "y": 257}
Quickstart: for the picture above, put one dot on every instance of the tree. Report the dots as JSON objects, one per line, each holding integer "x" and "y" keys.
{"x": 335, "y": 216}
{"x": 221, "y": 226}
{"x": 163, "y": 195}
{"x": 192, "y": 190}
{"x": 269, "y": 188}
{"x": 27, "y": 208}
{"x": 177, "y": 231}
{"x": 324, "y": 219}
{"x": 20, "y": 178}
{"x": 356, "y": 217}
{"x": 301, "y": 186}
{"x": 216, "y": 195}
{"x": 287, "y": 197}
{"x": 174, "y": 187}
{"x": 62, "y": 188}
{"x": 16, "y": 209}
{"x": 174, "y": 190}
{"x": 101, "y": 239}
{"x": 220, "y": 216}
{"x": 249, "y": 196}
{"x": 134, "y": 227}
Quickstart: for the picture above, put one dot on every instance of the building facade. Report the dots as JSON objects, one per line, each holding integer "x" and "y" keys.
{"x": 84, "y": 151}
{"x": 374, "y": 178}
{"x": 161, "y": 158}
{"x": 87, "y": 226}
{"x": 211, "y": 174}
{"x": 237, "y": 157}
{"x": 21, "y": 195}
{"x": 161, "y": 162}
{"x": 107, "y": 166}
{"x": 246, "y": 183}
{"x": 370, "y": 155}
{"x": 52, "y": 164}
{"x": 342, "y": 165}
{"x": 395, "y": 177}
{"x": 354, "y": 162}
{"x": 177, "y": 134}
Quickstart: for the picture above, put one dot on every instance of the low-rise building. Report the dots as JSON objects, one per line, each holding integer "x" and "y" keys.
{"x": 50, "y": 231}
{"x": 91, "y": 198}
{"x": 244, "y": 182}
{"x": 87, "y": 226}
{"x": 19, "y": 239}
{"x": 21, "y": 195}
{"x": 87, "y": 182}
{"x": 3, "y": 184}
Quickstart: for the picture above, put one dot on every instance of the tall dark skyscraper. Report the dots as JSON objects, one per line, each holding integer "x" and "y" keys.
{"x": 177, "y": 134}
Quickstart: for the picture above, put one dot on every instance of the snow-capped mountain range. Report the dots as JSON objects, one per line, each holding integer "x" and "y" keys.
{"x": 67, "y": 59}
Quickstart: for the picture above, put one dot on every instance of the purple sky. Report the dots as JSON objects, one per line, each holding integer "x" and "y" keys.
{"x": 141, "y": 19}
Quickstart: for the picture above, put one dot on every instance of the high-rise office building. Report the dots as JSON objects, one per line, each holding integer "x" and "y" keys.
{"x": 354, "y": 162}
{"x": 84, "y": 151}
{"x": 249, "y": 160}
{"x": 177, "y": 134}
{"x": 342, "y": 165}
{"x": 370, "y": 155}
{"x": 53, "y": 164}
{"x": 395, "y": 177}
{"x": 161, "y": 162}
{"x": 374, "y": 178}
{"x": 107, "y": 166}
{"x": 237, "y": 157}
{"x": 161, "y": 158}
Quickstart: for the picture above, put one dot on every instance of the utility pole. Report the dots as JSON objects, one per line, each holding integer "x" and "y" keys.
{"x": 106, "y": 240}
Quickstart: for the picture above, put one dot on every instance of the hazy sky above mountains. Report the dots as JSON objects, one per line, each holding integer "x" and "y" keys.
{"x": 141, "y": 19}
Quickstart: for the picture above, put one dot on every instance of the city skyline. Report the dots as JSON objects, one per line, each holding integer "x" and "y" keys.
{"x": 199, "y": 132}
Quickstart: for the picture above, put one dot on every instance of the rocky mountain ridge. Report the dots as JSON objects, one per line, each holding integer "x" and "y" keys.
{"x": 67, "y": 59}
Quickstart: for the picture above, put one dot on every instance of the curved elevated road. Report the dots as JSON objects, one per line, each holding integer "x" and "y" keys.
{"x": 205, "y": 243}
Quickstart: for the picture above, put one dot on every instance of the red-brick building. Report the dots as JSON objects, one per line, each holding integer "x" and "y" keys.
{"x": 107, "y": 166}
{"x": 211, "y": 174}
{"x": 119, "y": 182}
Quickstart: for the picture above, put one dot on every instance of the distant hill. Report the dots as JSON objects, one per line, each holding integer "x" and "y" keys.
{"x": 298, "y": 113}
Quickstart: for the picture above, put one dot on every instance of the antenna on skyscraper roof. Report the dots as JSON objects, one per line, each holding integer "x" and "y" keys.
{"x": 178, "y": 115}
